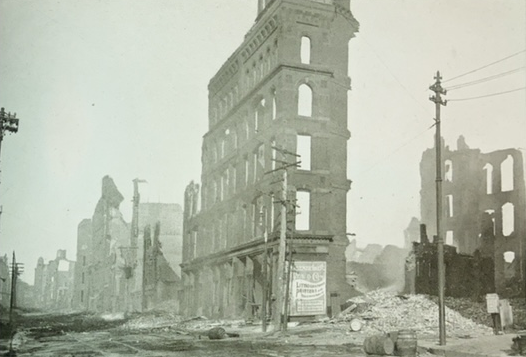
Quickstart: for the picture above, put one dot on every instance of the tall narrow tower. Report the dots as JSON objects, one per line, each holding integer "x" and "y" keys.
{"x": 285, "y": 87}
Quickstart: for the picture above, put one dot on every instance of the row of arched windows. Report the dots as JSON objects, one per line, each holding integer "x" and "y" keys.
{"x": 255, "y": 72}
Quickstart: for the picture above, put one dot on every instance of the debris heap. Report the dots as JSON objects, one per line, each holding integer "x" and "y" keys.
{"x": 383, "y": 312}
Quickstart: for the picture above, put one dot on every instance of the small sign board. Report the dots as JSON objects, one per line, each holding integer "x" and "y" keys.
{"x": 308, "y": 288}
{"x": 492, "y": 303}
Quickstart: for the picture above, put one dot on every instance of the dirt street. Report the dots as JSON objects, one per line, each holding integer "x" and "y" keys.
{"x": 90, "y": 335}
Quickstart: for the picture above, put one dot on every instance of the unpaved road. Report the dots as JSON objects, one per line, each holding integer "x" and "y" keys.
{"x": 83, "y": 335}
{"x": 116, "y": 343}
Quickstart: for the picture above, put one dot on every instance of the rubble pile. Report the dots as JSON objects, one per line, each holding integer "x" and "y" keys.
{"x": 477, "y": 310}
{"x": 383, "y": 312}
{"x": 152, "y": 320}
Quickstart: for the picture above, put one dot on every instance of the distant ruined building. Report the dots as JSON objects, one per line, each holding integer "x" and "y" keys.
{"x": 284, "y": 90}
{"x": 5, "y": 283}
{"x": 484, "y": 217}
{"x": 53, "y": 285}
{"x": 110, "y": 264}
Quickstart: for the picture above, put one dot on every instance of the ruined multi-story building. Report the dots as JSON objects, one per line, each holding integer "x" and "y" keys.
{"x": 484, "y": 208}
{"x": 110, "y": 255}
{"x": 158, "y": 267}
{"x": 282, "y": 93}
{"x": 5, "y": 281}
{"x": 54, "y": 283}
{"x": 84, "y": 239}
{"x": 101, "y": 283}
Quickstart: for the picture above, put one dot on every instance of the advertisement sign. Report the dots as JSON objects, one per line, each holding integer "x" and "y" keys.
{"x": 308, "y": 289}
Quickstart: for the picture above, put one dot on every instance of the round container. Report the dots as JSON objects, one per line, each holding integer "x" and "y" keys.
{"x": 217, "y": 333}
{"x": 378, "y": 345}
{"x": 406, "y": 343}
{"x": 356, "y": 325}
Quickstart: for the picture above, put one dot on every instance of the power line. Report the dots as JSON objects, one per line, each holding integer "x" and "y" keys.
{"x": 486, "y": 66}
{"x": 394, "y": 151}
{"x": 487, "y": 95}
{"x": 485, "y": 79}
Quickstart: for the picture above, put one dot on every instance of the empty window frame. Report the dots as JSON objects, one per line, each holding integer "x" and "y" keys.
{"x": 449, "y": 170}
{"x": 303, "y": 148}
{"x": 305, "y": 100}
{"x": 305, "y": 50}
{"x": 303, "y": 210}
{"x": 449, "y": 205}
{"x": 506, "y": 174}
{"x": 508, "y": 219}
{"x": 489, "y": 178}
{"x": 274, "y": 105}
{"x": 449, "y": 238}
{"x": 247, "y": 166}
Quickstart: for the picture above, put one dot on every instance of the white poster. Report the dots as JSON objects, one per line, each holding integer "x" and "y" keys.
{"x": 308, "y": 289}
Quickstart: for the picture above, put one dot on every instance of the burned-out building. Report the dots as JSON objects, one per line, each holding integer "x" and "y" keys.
{"x": 54, "y": 283}
{"x": 100, "y": 284}
{"x": 159, "y": 253}
{"x": 282, "y": 93}
{"x": 484, "y": 209}
{"x": 84, "y": 241}
{"x": 111, "y": 255}
{"x": 5, "y": 281}
{"x": 159, "y": 280}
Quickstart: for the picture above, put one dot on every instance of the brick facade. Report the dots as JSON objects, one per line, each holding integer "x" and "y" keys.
{"x": 287, "y": 83}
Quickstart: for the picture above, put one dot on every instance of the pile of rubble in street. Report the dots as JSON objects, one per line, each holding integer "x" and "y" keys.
{"x": 383, "y": 312}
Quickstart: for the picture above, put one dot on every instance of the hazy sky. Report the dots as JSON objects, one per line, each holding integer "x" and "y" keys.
{"x": 119, "y": 87}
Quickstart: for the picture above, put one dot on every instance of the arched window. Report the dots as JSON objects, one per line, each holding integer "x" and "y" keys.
{"x": 506, "y": 174}
{"x": 305, "y": 50}
{"x": 489, "y": 178}
{"x": 305, "y": 100}
{"x": 508, "y": 219}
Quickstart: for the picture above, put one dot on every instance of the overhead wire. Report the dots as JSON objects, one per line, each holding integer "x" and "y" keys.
{"x": 485, "y": 79}
{"x": 486, "y": 66}
{"x": 395, "y": 151}
{"x": 487, "y": 95}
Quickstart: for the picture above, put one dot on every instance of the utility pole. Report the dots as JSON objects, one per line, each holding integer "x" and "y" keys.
{"x": 280, "y": 293}
{"x": 135, "y": 217}
{"x": 281, "y": 298}
{"x": 16, "y": 270}
{"x": 8, "y": 123}
{"x": 289, "y": 268}
{"x": 437, "y": 88}
{"x": 133, "y": 249}
{"x": 262, "y": 220}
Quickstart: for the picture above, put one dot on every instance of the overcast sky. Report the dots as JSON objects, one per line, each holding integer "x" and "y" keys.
{"x": 119, "y": 87}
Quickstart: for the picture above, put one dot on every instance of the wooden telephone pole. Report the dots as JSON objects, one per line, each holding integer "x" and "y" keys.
{"x": 437, "y": 88}
{"x": 278, "y": 317}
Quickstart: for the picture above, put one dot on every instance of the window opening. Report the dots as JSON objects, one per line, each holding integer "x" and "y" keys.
{"x": 449, "y": 238}
{"x": 449, "y": 171}
{"x": 508, "y": 219}
{"x": 506, "y": 174}
{"x": 489, "y": 178}
{"x": 305, "y": 50}
{"x": 305, "y": 100}
{"x": 449, "y": 199}
{"x": 303, "y": 148}
{"x": 303, "y": 210}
